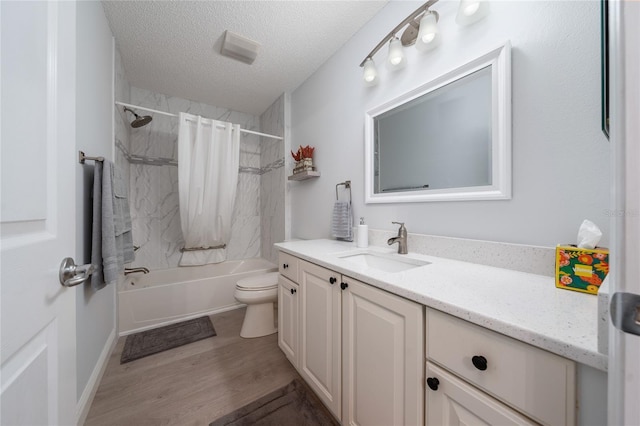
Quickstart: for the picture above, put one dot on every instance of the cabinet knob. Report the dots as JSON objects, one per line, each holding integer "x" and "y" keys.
{"x": 433, "y": 383}
{"x": 293, "y": 291}
{"x": 344, "y": 285}
{"x": 285, "y": 266}
{"x": 479, "y": 362}
{"x": 332, "y": 280}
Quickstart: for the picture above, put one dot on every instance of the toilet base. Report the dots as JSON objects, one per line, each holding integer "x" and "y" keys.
{"x": 259, "y": 321}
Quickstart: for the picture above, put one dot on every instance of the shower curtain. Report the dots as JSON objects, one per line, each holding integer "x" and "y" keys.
{"x": 208, "y": 160}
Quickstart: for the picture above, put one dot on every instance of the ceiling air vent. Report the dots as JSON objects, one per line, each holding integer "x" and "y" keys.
{"x": 238, "y": 47}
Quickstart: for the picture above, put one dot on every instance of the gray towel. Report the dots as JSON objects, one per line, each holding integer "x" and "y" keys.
{"x": 97, "y": 279}
{"x": 342, "y": 221}
{"x": 117, "y": 240}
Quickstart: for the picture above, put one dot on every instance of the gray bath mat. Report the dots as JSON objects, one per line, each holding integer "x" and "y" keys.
{"x": 170, "y": 336}
{"x": 294, "y": 404}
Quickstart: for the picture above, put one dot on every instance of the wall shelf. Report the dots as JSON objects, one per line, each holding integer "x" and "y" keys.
{"x": 310, "y": 174}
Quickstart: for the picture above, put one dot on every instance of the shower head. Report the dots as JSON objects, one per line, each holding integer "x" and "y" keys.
{"x": 139, "y": 121}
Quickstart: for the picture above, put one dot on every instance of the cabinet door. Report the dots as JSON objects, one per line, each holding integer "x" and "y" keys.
{"x": 320, "y": 336}
{"x": 383, "y": 357}
{"x": 288, "y": 318}
{"x": 453, "y": 402}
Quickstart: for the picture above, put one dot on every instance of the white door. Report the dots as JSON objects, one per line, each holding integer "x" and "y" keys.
{"x": 383, "y": 357}
{"x": 320, "y": 352}
{"x": 37, "y": 212}
{"x": 624, "y": 352}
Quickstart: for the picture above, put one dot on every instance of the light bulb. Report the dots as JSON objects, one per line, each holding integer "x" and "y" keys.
{"x": 471, "y": 11}
{"x": 396, "y": 59}
{"x": 472, "y": 8}
{"x": 428, "y": 32}
{"x": 370, "y": 74}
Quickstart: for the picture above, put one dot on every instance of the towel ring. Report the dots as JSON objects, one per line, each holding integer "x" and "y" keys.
{"x": 347, "y": 185}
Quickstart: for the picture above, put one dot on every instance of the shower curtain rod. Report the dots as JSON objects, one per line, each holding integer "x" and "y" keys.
{"x": 175, "y": 115}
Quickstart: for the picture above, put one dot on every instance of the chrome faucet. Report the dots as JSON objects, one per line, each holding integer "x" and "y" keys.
{"x": 142, "y": 269}
{"x": 401, "y": 239}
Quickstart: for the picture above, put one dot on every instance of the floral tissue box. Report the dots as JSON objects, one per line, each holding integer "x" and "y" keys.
{"x": 581, "y": 269}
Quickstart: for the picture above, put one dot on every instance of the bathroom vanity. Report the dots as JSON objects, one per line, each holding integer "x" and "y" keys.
{"x": 411, "y": 339}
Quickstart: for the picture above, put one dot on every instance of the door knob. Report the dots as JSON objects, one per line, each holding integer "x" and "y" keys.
{"x": 344, "y": 285}
{"x": 71, "y": 274}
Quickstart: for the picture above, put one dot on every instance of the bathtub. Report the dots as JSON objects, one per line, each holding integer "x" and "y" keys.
{"x": 166, "y": 296}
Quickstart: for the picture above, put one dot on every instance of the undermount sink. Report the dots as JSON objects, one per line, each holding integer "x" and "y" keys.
{"x": 385, "y": 262}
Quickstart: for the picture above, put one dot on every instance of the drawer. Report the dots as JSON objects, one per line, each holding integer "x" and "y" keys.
{"x": 451, "y": 401}
{"x": 537, "y": 382}
{"x": 288, "y": 266}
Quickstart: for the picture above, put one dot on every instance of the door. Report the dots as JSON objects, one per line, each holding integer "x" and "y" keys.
{"x": 624, "y": 341}
{"x": 288, "y": 318}
{"x": 37, "y": 212}
{"x": 453, "y": 402}
{"x": 383, "y": 357}
{"x": 320, "y": 339}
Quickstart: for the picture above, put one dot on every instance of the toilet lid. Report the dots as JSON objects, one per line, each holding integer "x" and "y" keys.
{"x": 259, "y": 282}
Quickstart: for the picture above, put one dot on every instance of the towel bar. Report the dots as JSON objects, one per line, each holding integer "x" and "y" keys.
{"x": 221, "y": 246}
{"x": 82, "y": 158}
{"x": 347, "y": 185}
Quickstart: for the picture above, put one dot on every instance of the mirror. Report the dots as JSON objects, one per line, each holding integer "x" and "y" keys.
{"x": 447, "y": 140}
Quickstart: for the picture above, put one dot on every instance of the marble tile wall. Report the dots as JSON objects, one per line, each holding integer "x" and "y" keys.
{"x": 272, "y": 181}
{"x": 154, "y": 182}
{"x": 121, "y": 124}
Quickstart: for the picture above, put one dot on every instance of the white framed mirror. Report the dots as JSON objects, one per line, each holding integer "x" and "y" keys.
{"x": 447, "y": 140}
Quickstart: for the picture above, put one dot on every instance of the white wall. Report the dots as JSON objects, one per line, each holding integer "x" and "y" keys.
{"x": 95, "y": 311}
{"x": 561, "y": 171}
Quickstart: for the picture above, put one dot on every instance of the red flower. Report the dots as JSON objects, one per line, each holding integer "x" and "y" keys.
{"x": 566, "y": 280}
{"x": 600, "y": 256}
{"x": 585, "y": 259}
{"x": 564, "y": 262}
{"x": 593, "y": 279}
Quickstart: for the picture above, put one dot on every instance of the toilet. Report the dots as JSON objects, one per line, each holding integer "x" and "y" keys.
{"x": 258, "y": 293}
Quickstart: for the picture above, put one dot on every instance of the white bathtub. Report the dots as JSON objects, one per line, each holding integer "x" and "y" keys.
{"x": 166, "y": 296}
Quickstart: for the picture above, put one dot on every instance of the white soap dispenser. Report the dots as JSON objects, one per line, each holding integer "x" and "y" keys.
{"x": 363, "y": 234}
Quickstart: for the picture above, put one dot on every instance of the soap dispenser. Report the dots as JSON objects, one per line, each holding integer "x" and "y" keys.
{"x": 363, "y": 234}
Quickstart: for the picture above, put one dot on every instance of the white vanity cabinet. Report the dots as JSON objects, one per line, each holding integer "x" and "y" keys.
{"x": 288, "y": 297}
{"x": 360, "y": 349}
{"x": 320, "y": 333}
{"x": 382, "y": 357}
{"x": 537, "y": 383}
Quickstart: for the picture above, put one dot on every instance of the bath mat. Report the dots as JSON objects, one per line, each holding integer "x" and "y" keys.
{"x": 170, "y": 336}
{"x": 294, "y": 404}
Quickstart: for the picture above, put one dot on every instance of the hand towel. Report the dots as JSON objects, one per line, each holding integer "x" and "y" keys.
{"x": 342, "y": 221}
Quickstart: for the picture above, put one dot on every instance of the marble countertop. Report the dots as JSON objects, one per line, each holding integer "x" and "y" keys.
{"x": 521, "y": 305}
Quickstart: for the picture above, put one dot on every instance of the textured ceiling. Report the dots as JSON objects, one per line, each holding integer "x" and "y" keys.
{"x": 173, "y": 47}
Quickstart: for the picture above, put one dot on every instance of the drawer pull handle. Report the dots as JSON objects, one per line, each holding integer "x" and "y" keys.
{"x": 332, "y": 280}
{"x": 479, "y": 362}
{"x": 433, "y": 383}
{"x": 293, "y": 291}
{"x": 285, "y": 266}
{"x": 344, "y": 285}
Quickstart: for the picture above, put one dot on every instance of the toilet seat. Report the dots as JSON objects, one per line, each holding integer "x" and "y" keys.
{"x": 260, "y": 282}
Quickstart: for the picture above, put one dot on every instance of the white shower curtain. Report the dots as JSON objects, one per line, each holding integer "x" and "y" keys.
{"x": 208, "y": 160}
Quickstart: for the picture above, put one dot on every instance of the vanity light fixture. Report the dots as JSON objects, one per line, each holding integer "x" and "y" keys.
{"x": 421, "y": 30}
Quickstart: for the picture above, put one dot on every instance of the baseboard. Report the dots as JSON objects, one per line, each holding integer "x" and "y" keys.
{"x": 84, "y": 404}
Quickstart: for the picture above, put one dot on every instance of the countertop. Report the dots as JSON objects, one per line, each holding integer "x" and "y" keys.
{"x": 521, "y": 305}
